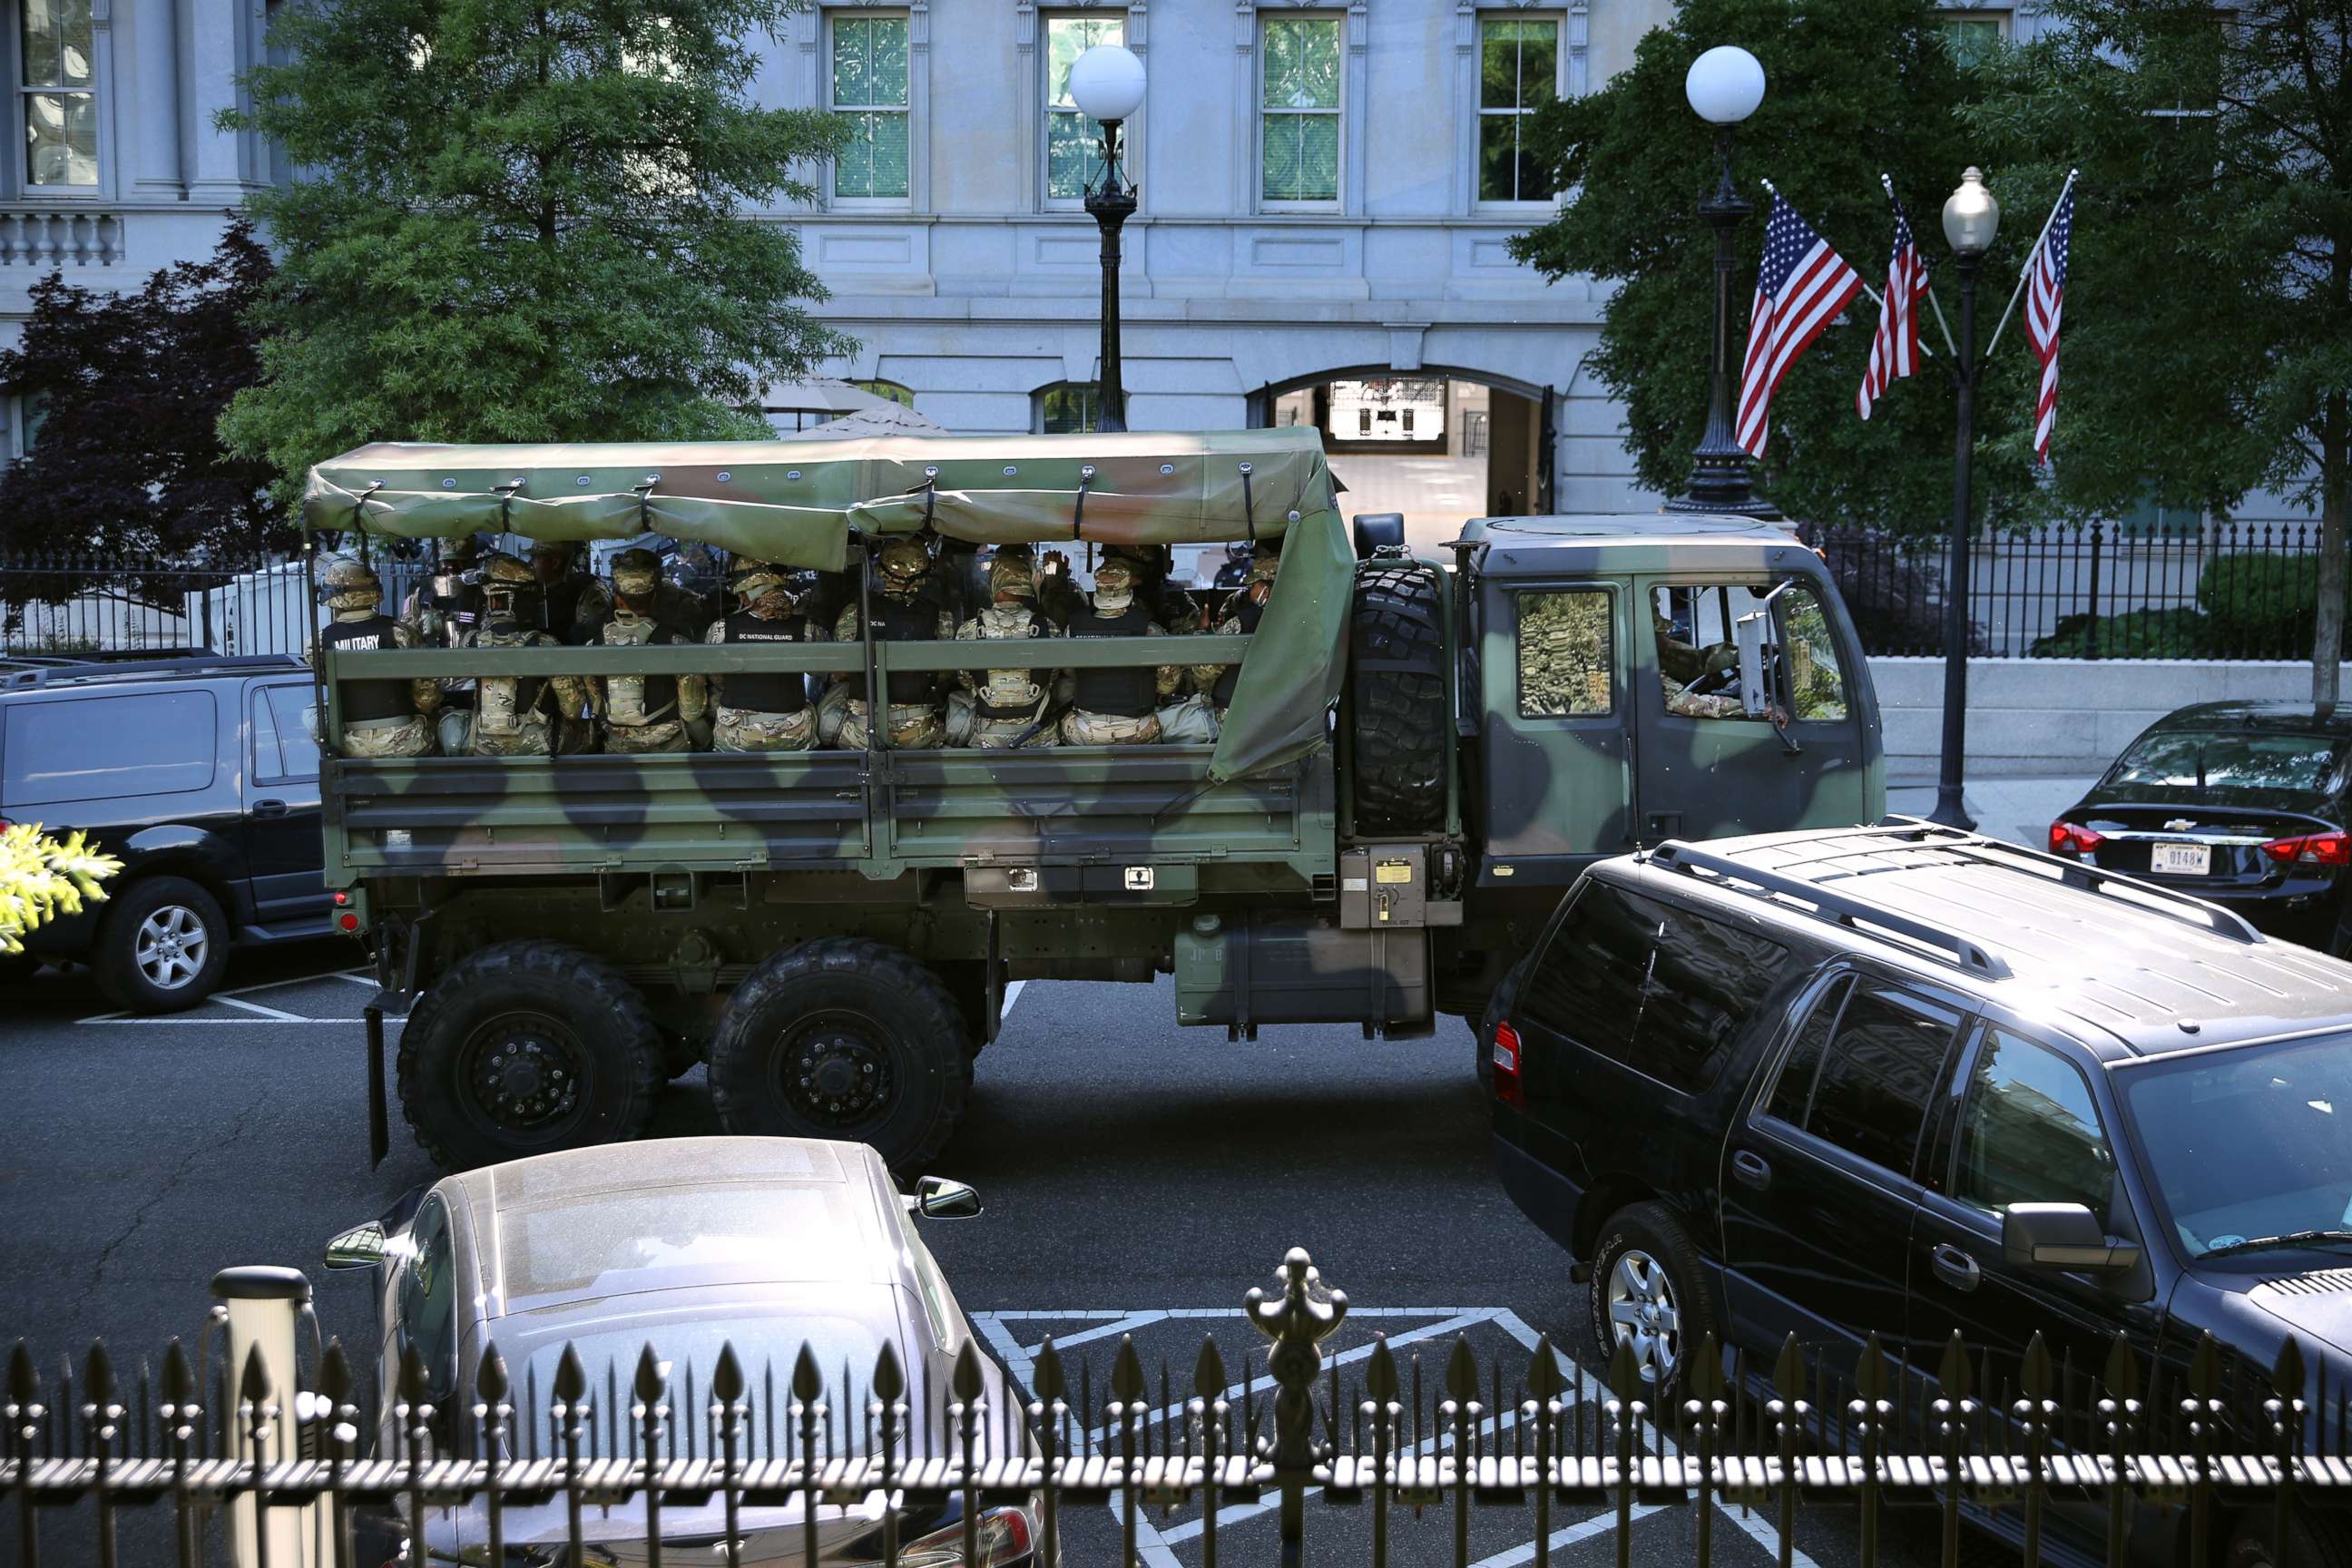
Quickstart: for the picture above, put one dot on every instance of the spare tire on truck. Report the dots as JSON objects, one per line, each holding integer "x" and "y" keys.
{"x": 526, "y": 1048}
{"x": 848, "y": 1038}
{"x": 1397, "y": 670}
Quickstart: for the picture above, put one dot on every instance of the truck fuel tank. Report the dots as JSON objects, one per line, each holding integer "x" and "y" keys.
{"x": 1264, "y": 966}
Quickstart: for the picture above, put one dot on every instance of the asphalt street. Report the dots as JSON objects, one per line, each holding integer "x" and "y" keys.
{"x": 1138, "y": 1178}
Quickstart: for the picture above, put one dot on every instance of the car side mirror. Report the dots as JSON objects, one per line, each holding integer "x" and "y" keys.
{"x": 2061, "y": 1235}
{"x": 1749, "y": 629}
{"x": 937, "y": 1197}
{"x": 361, "y": 1247}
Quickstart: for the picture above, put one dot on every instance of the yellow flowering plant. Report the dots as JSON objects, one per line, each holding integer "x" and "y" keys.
{"x": 42, "y": 877}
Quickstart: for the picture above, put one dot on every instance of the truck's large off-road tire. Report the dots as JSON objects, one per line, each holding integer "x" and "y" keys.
{"x": 524, "y": 1048}
{"x": 847, "y": 1038}
{"x": 1396, "y": 691}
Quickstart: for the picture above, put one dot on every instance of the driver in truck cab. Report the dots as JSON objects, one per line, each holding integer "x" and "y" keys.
{"x": 381, "y": 718}
{"x": 904, "y": 613}
{"x": 645, "y": 713}
{"x": 769, "y": 711}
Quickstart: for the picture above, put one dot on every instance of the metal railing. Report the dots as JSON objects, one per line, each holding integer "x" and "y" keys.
{"x": 69, "y": 604}
{"x": 2201, "y": 1448}
{"x": 2212, "y": 590}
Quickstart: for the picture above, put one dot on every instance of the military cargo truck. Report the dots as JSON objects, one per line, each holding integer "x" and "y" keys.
{"x": 1419, "y": 754}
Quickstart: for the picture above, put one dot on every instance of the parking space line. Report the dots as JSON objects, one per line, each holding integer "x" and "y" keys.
{"x": 174, "y": 1019}
{"x": 227, "y": 1000}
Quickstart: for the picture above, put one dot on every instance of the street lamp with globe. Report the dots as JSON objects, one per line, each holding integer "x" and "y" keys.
{"x": 1107, "y": 84}
{"x": 1724, "y": 86}
{"x": 1971, "y": 219}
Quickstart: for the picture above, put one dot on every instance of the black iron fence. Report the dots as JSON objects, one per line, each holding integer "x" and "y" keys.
{"x": 2213, "y": 590}
{"x": 287, "y": 1449}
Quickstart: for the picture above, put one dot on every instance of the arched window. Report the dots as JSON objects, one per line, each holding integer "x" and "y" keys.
{"x": 889, "y": 391}
{"x": 1068, "y": 408}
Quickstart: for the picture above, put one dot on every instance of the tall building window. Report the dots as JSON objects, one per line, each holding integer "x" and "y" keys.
{"x": 869, "y": 91}
{"x": 1518, "y": 73}
{"x": 1073, "y": 147}
{"x": 1071, "y": 409}
{"x": 58, "y": 100}
{"x": 1973, "y": 39}
{"x": 1298, "y": 109}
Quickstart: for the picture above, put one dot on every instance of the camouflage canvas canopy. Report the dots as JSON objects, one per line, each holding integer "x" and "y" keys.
{"x": 801, "y": 504}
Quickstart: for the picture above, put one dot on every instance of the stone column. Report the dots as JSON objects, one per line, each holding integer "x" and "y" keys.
{"x": 215, "y": 58}
{"x": 155, "y": 170}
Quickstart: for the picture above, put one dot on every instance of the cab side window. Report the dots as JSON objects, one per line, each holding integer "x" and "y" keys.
{"x": 428, "y": 1297}
{"x": 1816, "y": 681}
{"x": 2029, "y": 1132}
{"x": 1697, "y": 647}
{"x": 1876, "y": 1076}
{"x": 1568, "y": 655}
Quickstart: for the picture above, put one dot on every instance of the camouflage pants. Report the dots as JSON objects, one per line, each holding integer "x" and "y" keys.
{"x": 1084, "y": 729}
{"x": 830, "y": 710}
{"x": 406, "y": 738}
{"x": 1192, "y": 722}
{"x": 913, "y": 727}
{"x": 637, "y": 739}
{"x": 967, "y": 726}
{"x": 747, "y": 729}
{"x": 535, "y": 738}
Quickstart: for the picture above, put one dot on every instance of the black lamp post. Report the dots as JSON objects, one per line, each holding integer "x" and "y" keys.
{"x": 1724, "y": 86}
{"x": 1107, "y": 84}
{"x": 1972, "y": 217}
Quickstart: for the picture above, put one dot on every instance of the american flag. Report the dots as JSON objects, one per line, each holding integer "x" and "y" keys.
{"x": 1802, "y": 287}
{"x": 1894, "y": 350}
{"x": 2046, "y": 298}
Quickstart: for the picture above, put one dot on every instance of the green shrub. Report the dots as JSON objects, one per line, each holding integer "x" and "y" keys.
{"x": 2259, "y": 604}
{"x": 2181, "y": 633}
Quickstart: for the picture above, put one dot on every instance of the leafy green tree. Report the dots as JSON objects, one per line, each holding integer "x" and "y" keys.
{"x": 1852, "y": 90}
{"x": 42, "y": 877}
{"x": 127, "y": 391}
{"x": 524, "y": 220}
{"x": 2208, "y": 307}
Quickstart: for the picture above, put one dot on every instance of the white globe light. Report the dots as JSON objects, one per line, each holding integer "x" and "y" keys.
{"x": 1106, "y": 83}
{"x": 1725, "y": 85}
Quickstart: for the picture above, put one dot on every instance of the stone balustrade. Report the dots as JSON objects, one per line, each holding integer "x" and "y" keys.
{"x": 44, "y": 239}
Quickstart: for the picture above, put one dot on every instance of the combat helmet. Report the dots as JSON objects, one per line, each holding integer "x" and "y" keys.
{"x": 752, "y": 579}
{"x": 636, "y": 577}
{"x": 1012, "y": 575}
{"x": 1264, "y": 560}
{"x": 349, "y": 583}
{"x": 1115, "y": 584}
{"x": 905, "y": 564}
{"x": 509, "y": 587}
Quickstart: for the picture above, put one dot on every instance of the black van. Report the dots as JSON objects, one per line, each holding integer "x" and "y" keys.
{"x": 201, "y": 773}
{"x": 1908, "y": 1081}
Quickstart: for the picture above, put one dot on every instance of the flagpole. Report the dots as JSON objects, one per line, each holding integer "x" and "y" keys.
{"x": 2026, "y": 271}
{"x": 1933, "y": 303}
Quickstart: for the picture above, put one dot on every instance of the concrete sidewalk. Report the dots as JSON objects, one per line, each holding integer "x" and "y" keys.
{"x": 2018, "y": 809}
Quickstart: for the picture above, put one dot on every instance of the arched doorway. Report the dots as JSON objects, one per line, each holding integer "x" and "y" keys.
{"x": 1438, "y": 444}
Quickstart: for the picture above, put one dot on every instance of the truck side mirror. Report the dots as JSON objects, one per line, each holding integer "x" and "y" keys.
{"x": 2060, "y": 1236}
{"x": 1749, "y": 629}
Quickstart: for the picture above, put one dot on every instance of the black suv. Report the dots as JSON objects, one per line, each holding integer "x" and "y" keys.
{"x": 202, "y": 775}
{"x": 1910, "y": 1081}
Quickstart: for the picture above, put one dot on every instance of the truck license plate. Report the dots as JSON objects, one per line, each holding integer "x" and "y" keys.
{"x": 2183, "y": 861}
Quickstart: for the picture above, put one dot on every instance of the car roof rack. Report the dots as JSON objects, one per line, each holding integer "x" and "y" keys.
{"x": 18, "y": 673}
{"x": 1838, "y": 909}
{"x": 2227, "y": 924}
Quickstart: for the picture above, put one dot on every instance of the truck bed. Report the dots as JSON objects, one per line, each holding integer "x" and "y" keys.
{"x": 491, "y": 816}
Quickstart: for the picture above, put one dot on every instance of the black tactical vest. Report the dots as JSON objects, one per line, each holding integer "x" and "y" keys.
{"x": 770, "y": 692}
{"x": 896, "y": 622}
{"x": 1122, "y": 693}
{"x": 1247, "y": 613}
{"x": 368, "y": 700}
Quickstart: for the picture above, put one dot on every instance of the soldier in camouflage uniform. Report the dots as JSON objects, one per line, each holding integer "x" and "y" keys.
{"x": 904, "y": 614}
{"x": 1114, "y": 707}
{"x": 1005, "y": 707}
{"x": 768, "y": 711}
{"x": 381, "y": 718}
{"x": 1239, "y": 617}
{"x": 647, "y": 712}
{"x": 516, "y": 715}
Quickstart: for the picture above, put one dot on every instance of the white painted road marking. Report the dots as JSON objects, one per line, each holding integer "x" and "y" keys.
{"x": 255, "y": 1009}
{"x": 271, "y": 1013}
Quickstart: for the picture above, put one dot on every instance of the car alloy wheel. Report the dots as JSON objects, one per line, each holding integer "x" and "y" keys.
{"x": 170, "y": 947}
{"x": 1644, "y": 1314}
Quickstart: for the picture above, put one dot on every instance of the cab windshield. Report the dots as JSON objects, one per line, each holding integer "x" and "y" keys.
{"x": 2249, "y": 1149}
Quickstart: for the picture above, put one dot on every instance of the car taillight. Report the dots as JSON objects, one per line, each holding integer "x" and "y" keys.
{"x": 2313, "y": 848}
{"x": 1509, "y": 1087}
{"x": 2067, "y": 838}
{"x": 1005, "y": 1536}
